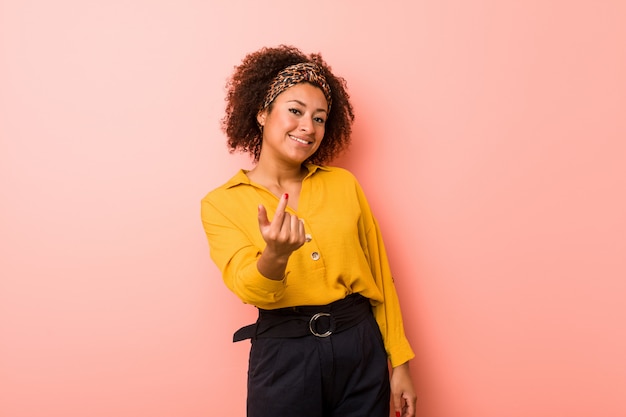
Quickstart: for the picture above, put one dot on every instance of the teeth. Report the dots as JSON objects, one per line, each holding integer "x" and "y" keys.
{"x": 299, "y": 140}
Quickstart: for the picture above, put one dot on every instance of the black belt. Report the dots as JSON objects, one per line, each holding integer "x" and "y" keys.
{"x": 320, "y": 321}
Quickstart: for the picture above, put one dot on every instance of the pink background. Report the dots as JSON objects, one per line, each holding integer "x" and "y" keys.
{"x": 490, "y": 138}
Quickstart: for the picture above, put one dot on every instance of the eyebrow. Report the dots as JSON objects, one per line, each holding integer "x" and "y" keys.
{"x": 304, "y": 105}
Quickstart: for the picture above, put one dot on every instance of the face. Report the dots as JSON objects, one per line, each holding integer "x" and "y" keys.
{"x": 294, "y": 127}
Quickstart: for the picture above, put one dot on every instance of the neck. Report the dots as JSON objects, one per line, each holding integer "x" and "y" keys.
{"x": 279, "y": 172}
{"x": 280, "y": 180}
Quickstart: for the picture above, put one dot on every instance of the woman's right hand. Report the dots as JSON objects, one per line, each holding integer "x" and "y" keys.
{"x": 283, "y": 235}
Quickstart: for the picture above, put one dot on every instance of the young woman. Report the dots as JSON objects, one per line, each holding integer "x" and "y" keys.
{"x": 297, "y": 239}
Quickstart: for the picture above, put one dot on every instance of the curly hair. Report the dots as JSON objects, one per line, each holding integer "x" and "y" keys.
{"x": 246, "y": 90}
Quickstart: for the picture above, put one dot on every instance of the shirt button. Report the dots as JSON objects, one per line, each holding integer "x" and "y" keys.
{"x": 315, "y": 256}
{"x": 308, "y": 237}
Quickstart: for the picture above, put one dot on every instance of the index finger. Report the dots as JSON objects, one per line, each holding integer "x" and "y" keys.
{"x": 282, "y": 204}
{"x": 280, "y": 209}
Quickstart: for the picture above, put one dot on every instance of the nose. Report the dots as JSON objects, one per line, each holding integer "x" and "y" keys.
{"x": 306, "y": 125}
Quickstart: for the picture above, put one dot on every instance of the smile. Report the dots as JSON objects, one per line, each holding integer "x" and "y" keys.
{"x": 300, "y": 140}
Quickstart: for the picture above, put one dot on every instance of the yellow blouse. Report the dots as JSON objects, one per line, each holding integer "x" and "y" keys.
{"x": 345, "y": 253}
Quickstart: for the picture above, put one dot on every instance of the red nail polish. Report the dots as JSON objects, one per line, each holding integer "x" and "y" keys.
{"x": 397, "y": 414}
{"x": 286, "y": 196}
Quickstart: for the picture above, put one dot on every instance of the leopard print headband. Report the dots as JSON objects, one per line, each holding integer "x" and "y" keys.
{"x": 295, "y": 74}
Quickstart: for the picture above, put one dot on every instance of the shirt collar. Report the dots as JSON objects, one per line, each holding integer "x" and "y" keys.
{"x": 241, "y": 177}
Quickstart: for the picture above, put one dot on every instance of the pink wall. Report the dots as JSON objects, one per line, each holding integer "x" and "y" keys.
{"x": 490, "y": 138}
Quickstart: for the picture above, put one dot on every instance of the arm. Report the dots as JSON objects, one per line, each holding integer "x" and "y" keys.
{"x": 238, "y": 248}
{"x": 389, "y": 316}
{"x": 387, "y": 312}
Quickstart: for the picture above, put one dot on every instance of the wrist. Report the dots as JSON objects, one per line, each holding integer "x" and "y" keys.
{"x": 272, "y": 265}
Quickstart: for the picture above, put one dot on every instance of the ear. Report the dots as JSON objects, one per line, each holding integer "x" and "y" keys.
{"x": 260, "y": 117}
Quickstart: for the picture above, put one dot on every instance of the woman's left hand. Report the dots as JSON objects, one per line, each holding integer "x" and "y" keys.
{"x": 402, "y": 391}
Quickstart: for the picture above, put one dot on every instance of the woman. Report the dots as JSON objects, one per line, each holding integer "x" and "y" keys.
{"x": 329, "y": 317}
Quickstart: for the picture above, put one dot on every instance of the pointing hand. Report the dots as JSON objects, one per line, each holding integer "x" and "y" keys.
{"x": 285, "y": 233}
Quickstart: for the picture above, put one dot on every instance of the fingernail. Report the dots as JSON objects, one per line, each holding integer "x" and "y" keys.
{"x": 397, "y": 414}
{"x": 286, "y": 196}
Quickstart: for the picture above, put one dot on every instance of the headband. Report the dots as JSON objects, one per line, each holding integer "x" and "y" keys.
{"x": 294, "y": 74}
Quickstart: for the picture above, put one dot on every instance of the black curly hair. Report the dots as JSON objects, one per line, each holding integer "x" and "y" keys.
{"x": 246, "y": 90}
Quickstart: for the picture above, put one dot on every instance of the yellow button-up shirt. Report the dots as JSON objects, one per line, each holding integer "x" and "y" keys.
{"x": 344, "y": 255}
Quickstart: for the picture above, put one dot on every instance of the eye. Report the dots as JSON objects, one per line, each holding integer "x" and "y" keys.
{"x": 294, "y": 111}
{"x": 319, "y": 120}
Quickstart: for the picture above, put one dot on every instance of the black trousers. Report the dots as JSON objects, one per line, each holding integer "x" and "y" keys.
{"x": 343, "y": 375}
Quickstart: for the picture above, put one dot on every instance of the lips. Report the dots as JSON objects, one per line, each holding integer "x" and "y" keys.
{"x": 300, "y": 140}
